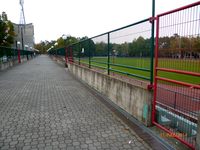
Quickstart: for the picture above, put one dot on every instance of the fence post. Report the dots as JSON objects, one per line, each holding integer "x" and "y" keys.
{"x": 152, "y": 42}
{"x": 198, "y": 134}
{"x": 89, "y": 55}
{"x": 79, "y": 57}
{"x": 108, "y": 63}
{"x": 66, "y": 56}
{"x": 71, "y": 54}
{"x": 19, "y": 59}
{"x": 27, "y": 53}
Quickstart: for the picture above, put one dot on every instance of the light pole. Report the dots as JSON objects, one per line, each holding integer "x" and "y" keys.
{"x": 22, "y": 36}
{"x": 18, "y": 52}
{"x": 65, "y": 51}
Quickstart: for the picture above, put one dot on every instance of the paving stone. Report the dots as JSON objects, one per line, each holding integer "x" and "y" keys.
{"x": 44, "y": 107}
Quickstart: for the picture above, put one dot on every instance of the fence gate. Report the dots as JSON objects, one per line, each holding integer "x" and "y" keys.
{"x": 176, "y": 103}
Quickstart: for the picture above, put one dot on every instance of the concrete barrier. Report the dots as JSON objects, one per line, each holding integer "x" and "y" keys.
{"x": 10, "y": 63}
{"x": 134, "y": 99}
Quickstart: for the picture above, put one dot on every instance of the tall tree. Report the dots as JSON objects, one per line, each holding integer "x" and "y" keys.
{"x": 6, "y": 31}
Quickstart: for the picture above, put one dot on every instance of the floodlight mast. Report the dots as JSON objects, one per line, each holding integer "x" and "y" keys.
{"x": 22, "y": 22}
{"x": 22, "y": 16}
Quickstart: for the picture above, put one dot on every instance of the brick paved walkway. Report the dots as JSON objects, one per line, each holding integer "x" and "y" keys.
{"x": 43, "y": 107}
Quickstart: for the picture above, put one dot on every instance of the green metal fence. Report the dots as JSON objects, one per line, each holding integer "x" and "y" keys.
{"x": 125, "y": 51}
{"x": 128, "y": 50}
{"x": 9, "y": 54}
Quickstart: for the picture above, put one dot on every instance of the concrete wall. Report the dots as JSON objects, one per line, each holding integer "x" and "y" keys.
{"x": 134, "y": 99}
{"x": 10, "y": 63}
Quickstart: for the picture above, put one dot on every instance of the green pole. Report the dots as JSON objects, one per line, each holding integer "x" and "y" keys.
{"x": 89, "y": 55}
{"x": 152, "y": 42}
{"x": 108, "y": 63}
{"x": 79, "y": 58}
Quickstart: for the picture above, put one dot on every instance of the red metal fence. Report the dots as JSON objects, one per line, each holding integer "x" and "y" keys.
{"x": 176, "y": 102}
{"x": 68, "y": 55}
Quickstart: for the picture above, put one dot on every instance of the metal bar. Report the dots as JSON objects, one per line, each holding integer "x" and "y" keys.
{"x": 79, "y": 51}
{"x": 108, "y": 65}
{"x": 99, "y": 62}
{"x": 130, "y": 67}
{"x": 130, "y": 74}
{"x": 175, "y": 136}
{"x": 66, "y": 56}
{"x": 144, "y": 20}
{"x": 152, "y": 42}
{"x": 89, "y": 55}
{"x": 98, "y": 66}
{"x": 71, "y": 51}
{"x": 19, "y": 58}
{"x": 179, "y": 71}
{"x": 155, "y": 71}
{"x": 181, "y": 8}
{"x": 82, "y": 62}
{"x": 179, "y": 82}
{"x": 178, "y": 112}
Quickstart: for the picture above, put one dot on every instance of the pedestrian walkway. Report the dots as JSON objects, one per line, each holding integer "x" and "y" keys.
{"x": 43, "y": 107}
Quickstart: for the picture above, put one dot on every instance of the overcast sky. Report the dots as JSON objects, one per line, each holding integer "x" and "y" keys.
{"x": 53, "y": 18}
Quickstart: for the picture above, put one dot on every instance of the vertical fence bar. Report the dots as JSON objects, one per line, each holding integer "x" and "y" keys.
{"x": 155, "y": 71}
{"x": 79, "y": 53}
{"x": 66, "y": 56}
{"x": 19, "y": 59}
{"x": 27, "y": 55}
{"x": 71, "y": 54}
{"x": 89, "y": 54}
{"x": 152, "y": 43}
{"x": 108, "y": 63}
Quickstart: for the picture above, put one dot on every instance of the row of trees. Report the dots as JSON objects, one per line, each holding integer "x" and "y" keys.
{"x": 63, "y": 41}
{"x": 7, "y": 33}
{"x": 138, "y": 47}
{"x": 174, "y": 46}
{"x": 180, "y": 46}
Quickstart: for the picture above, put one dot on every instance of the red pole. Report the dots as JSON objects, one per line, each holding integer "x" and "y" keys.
{"x": 19, "y": 58}
{"x": 66, "y": 56}
{"x": 71, "y": 55}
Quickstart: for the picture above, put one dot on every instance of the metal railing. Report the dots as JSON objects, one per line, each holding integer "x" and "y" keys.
{"x": 176, "y": 102}
{"x": 127, "y": 50}
{"x": 11, "y": 54}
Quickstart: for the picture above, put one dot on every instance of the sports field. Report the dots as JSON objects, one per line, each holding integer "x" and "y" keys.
{"x": 192, "y": 65}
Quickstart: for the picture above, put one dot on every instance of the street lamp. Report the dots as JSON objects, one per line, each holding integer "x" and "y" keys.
{"x": 18, "y": 43}
{"x": 55, "y": 46}
{"x": 26, "y": 47}
{"x": 64, "y": 38}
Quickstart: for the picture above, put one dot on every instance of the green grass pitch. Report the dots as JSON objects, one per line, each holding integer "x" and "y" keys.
{"x": 192, "y": 65}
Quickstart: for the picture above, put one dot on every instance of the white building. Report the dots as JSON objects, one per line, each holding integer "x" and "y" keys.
{"x": 24, "y": 36}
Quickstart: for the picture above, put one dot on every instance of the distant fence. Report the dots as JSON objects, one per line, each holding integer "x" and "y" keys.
{"x": 10, "y": 54}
